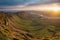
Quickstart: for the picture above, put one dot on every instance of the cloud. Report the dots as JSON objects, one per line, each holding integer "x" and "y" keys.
{"x": 36, "y": 7}
{"x": 11, "y": 2}
{"x": 24, "y": 2}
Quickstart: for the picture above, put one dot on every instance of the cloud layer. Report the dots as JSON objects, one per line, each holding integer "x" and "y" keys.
{"x": 24, "y": 2}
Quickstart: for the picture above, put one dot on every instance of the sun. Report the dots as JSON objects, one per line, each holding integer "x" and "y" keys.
{"x": 51, "y": 8}
{"x": 55, "y": 9}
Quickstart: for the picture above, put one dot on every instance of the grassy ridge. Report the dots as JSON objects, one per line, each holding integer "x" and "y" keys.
{"x": 34, "y": 24}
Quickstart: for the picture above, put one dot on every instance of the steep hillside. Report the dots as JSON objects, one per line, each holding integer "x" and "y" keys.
{"x": 9, "y": 31}
{"x": 26, "y": 25}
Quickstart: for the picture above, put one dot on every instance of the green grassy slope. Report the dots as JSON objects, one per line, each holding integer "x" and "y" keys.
{"x": 26, "y": 23}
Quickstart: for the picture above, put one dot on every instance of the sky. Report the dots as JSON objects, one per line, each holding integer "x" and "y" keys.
{"x": 24, "y": 2}
{"x": 15, "y": 4}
